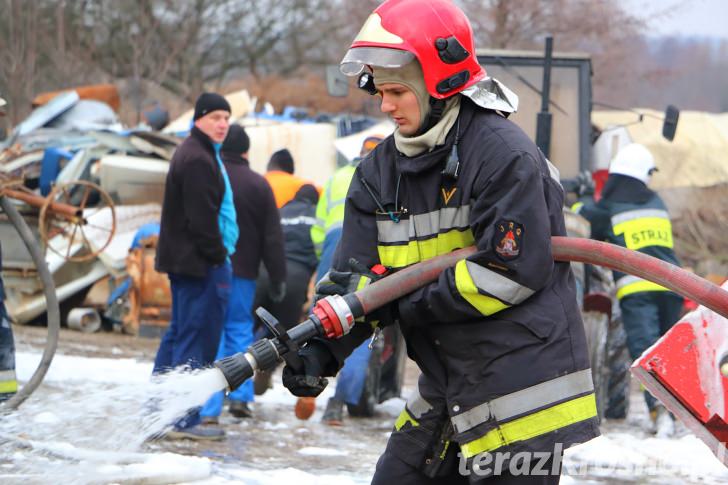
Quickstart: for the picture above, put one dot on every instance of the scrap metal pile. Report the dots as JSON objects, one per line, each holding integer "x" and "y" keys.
{"x": 85, "y": 185}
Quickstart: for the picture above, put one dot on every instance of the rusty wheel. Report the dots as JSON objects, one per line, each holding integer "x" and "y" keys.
{"x": 77, "y": 221}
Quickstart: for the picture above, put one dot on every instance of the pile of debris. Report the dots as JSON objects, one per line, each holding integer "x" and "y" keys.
{"x": 93, "y": 189}
{"x": 85, "y": 185}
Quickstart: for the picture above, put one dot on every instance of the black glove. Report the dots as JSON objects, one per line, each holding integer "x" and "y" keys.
{"x": 277, "y": 291}
{"x": 343, "y": 282}
{"x": 309, "y": 381}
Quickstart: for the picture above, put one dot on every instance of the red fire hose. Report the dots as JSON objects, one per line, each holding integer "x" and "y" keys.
{"x": 334, "y": 316}
{"x": 563, "y": 249}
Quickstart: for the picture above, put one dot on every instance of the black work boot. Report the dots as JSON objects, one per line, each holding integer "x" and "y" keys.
{"x": 240, "y": 409}
{"x": 334, "y": 413}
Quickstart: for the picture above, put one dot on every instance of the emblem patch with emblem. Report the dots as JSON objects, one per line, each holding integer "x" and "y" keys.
{"x": 508, "y": 239}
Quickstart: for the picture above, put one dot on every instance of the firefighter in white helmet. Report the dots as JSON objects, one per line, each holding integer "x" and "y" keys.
{"x": 633, "y": 216}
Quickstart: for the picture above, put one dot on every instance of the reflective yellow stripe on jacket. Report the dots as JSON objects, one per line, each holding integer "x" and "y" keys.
{"x": 530, "y": 412}
{"x": 472, "y": 280}
{"x": 423, "y": 236}
{"x": 628, "y": 285}
{"x": 533, "y": 425}
{"x": 644, "y": 227}
{"x": 8, "y": 382}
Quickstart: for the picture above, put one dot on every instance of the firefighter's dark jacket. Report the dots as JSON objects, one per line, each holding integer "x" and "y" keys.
{"x": 297, "y": 218}
{"x": 189, "y": 237}
{"x": 502, "y": 321}
{"x": 631, "y": 215}
{"x": 259, "y": 222}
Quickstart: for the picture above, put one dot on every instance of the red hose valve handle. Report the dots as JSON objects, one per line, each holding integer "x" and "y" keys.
{"x": 335, "y": 316}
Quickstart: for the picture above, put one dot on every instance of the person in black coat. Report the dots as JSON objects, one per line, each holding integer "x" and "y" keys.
{"x": 262, "y": 241}
{"x": 297, "y": 218}
{"x": 197, "y": 236}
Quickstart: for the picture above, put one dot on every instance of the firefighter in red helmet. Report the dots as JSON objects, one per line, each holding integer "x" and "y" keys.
{"x": 505, "y": 384}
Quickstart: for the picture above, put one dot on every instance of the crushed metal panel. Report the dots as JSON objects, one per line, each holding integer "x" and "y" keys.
{"x": 44, "y": 114}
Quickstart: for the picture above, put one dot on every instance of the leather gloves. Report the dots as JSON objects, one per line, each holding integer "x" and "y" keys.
{"x": 309, "y": 381}
{"x": 343, "y": 282}
{"x": 277, "y": 291}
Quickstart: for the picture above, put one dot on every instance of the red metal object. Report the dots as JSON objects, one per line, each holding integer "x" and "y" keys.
{"x": 683, "y": 370}
{"x": 329, "y": 319}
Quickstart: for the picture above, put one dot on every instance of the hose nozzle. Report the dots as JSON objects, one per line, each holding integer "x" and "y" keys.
{"x": 236, "y": 369}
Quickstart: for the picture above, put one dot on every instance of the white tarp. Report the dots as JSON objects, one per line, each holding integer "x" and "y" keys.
{"x": 350, "y": 146}
{"x": 697, "y": 157}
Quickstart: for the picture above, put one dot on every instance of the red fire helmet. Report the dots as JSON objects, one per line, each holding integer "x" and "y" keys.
{"x": 436, "y": 32}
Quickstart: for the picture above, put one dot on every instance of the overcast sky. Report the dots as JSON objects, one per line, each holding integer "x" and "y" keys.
{"x": 684, "y": 17}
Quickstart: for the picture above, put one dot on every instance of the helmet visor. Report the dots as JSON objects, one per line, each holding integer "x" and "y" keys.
{"x": 358, "y": 58}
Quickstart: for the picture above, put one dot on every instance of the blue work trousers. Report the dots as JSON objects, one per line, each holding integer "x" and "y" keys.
{"x": 351, "y": 378}
{"x": 198, "y": 313}
{"x": 237, "y": 336}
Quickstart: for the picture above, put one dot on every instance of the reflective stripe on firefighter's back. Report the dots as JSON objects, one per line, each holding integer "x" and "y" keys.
{"x": 628, "y": 285}
{"x": 643, "y": 227}
{"x": 521, "y": 415}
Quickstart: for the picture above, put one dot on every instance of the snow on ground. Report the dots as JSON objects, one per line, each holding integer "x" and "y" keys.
{"x": 38, "y": 443}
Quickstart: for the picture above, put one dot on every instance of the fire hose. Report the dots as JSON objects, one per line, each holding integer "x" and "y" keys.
{"x": 49, "y": 289}
{"x": 334, "y": 316}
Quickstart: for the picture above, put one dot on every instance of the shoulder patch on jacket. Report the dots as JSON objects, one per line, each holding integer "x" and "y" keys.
{"x": 508, "y": 239}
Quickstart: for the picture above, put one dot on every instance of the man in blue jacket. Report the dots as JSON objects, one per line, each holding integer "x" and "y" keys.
{"x": 197, "y": 236}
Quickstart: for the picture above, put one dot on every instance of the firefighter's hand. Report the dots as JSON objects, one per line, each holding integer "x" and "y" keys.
{"x": 343, "y": 282}
{"x": 277, "y": 291}
{"x": 309, "y": 381}
{"x": 584, "y": 184}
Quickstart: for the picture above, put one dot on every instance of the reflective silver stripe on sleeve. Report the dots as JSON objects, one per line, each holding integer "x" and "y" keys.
{"x": 7, "y": 375}
{"x": 498, "y": 285}
{"x": 553, "y": 171}
{"x": 639, "y": 214}
{"x": 529, "y": 399}
{"x": 424, "y": 225}
{"x": 417, "y": 405}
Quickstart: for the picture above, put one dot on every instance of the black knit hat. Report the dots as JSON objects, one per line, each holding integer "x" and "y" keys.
{"x": 237, "y": 141}
{"x": 281, "y": 160}
{"x": 209, "y": 102}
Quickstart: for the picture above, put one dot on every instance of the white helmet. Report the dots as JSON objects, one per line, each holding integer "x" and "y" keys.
{"x": 634, "y": 161}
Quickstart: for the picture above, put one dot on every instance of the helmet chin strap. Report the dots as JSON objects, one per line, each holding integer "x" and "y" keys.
{"x": 437, "y": 108}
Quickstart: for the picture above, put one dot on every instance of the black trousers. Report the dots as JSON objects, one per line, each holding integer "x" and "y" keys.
{"x": 289, "y": 310}
{"x": 391, "y": 470}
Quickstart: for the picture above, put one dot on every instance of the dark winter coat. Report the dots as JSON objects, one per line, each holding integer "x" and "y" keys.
{"x": 502, "y": 321}
{"x": 631, "y": 215}
{"x": 297, "y": 218}
{"x": 260, "y": 238}
{"x": 189, "y": 237}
